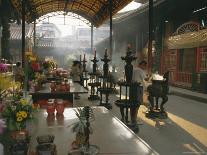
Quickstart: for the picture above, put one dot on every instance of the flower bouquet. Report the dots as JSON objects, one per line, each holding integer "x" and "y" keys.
{"x": 5, "y": 84}
{"x": 8, "y": 89}
{"x": 17, "y": 113}
{"x": 3, "y": 68}
{"x": 49, "y": 64}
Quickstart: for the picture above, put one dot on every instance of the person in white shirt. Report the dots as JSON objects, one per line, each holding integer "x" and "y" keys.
{"x": 139, "y": 74}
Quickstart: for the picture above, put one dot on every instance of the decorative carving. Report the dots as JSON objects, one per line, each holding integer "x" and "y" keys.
{"x": 188, "y": 27}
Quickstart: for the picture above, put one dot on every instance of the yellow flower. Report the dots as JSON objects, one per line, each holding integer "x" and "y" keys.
{"x": 28, "y": 53}
{"x": 32, "y": 58}
{"x": 18, "y": 85}
{"x": 23, "y": 101}
{"x": 18, "y": 114}
{"x": 19, "y": 119}
{"x": 24, "y": 114}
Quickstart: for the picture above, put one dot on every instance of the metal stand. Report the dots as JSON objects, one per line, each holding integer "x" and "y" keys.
{"x": 158, "y": 89}
{"x": 84, "y": 76}
{"x": 106, "y": 84}
{"x": 132, "y": 92}
{"x": 94, "y": 81}
{"x": 89, "y": 149}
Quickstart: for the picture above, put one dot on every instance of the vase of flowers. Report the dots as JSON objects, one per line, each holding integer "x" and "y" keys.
{"x": 17, "y": 113}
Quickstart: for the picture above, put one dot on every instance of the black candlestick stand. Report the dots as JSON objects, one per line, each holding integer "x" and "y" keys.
{"x": 132, "y": 92}
{"x": 106, "y": 84}
{"x": 94, "y": 80}
{"x": 89, "y": 149}
{"x": 84, "y": 75}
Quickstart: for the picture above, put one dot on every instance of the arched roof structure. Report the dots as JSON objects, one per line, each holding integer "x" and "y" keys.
{"x": 69, "y": 14}
{"x": 95, "y": 11}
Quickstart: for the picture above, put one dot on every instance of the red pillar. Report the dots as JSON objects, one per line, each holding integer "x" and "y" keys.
{"x": 198, "y": 59}
{"x": 177, "y": 65}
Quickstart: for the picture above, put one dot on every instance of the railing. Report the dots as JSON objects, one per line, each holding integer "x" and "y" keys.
{"x": 203, "y": 65}
{"x": 184, "y": 77}
{"x": 171, "y": 76}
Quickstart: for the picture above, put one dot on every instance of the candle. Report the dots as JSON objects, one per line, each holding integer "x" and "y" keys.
{"x": 95, "y": 54}
{"x": 84, "y": 56}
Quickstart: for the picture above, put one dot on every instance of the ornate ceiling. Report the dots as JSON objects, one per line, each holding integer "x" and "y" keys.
{"x": 95, "y": 11}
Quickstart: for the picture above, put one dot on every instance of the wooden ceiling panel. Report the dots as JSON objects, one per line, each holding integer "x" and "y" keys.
{"x": 96, "y": 11}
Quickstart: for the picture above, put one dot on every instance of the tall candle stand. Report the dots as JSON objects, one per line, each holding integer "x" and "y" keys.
{"x": 84, "y": 75}
{"x": 132, "y": 92}
{"x": 106, "y": 83}
{"x": 93, "y": 80}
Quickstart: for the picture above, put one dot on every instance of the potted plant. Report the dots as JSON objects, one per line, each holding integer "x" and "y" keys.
{"x": 81, "y": 128}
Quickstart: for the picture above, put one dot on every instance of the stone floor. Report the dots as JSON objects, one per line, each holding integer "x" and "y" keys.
{"x": 184, "y": 132}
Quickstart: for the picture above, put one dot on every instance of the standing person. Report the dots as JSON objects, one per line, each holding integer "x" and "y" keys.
{"x": 76, "y": 73}
{"x": 139, "y": 76}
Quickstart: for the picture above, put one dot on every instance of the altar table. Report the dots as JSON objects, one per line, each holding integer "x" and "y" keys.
{"x": 45, "y": 93}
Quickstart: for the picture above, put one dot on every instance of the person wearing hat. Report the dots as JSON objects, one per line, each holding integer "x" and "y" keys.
{"x": 76, "y": 71}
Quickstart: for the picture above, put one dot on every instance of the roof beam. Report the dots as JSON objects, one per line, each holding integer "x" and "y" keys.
{"x": 95, "y": 10}
{"x": 31, "y": 9}
{"x": 66, "y": 5}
